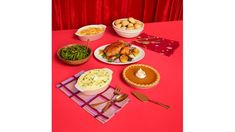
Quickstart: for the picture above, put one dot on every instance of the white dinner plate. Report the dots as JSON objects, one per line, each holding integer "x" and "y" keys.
{"x": 135, "y": 59}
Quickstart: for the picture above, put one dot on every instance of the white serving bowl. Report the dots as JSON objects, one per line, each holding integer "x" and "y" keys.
{"x": 90, "y": 37}
{"x": 127, "y": 33}
{"x": 92, "y": 92}
{"x": 98, "y": 90}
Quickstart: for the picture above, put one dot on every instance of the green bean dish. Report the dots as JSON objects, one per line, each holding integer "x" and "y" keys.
{"x": 75, "y": 52}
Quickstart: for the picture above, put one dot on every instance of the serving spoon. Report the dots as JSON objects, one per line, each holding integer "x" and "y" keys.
{"x": 118, "y": 98}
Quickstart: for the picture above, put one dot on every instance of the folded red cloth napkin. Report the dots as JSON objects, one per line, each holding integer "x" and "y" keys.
{"x": 68, "y": 87}
{"x": 157, "y": 44}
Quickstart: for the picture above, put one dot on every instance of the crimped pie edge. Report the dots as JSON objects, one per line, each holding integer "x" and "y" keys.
{"x": 141, "y": 85}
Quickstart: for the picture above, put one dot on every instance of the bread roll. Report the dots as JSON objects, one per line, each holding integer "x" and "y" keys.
{"x": 130, "y": 25}
{"x": 132, "y": 20}
{"x": 130, "y": 28}
{"x": 117, "y": 22}
{"x": 125, "y": 23}
{"x": 139, "y": 22}
{"x": 137, "y": 26}
{"x": 123, "y": 28}
{"x": 119, "y": 25}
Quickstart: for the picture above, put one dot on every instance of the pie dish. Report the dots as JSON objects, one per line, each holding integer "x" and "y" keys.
{"x": 94, "y": 81}
{"x": 150, "y": 79}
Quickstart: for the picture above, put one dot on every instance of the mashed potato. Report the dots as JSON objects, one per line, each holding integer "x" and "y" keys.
{"x": 94, "y": 79}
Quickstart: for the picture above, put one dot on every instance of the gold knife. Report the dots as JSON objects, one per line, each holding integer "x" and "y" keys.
{"x": 144, "y": 98}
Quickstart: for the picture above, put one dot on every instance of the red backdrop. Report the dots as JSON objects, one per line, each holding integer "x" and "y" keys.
{"x": 71, "y": 14}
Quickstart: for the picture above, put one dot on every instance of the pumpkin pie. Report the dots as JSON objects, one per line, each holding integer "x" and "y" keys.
{"x": 141, "y": 76}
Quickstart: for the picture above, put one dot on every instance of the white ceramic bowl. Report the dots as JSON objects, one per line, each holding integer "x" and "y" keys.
{"x": 98, "y": 90}
{"x": 90, "y": 37}
{"x": 127, "y": 33}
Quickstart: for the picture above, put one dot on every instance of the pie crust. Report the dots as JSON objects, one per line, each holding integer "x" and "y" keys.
{"x": 152, "y": 76}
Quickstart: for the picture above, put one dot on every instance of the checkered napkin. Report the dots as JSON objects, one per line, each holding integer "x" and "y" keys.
{"x": 157, "y": 44}
{"x": 84, "y": 101}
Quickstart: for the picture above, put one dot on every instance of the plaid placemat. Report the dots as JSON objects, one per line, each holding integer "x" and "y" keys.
{"x": 68, "y": 87}
{"x": 157, "y": 44}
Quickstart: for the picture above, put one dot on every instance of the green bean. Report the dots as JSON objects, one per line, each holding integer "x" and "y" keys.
{"x": 76, "y": 52}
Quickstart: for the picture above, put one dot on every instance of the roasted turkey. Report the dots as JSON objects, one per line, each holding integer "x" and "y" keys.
{"x": 119, "y": 50}
{"x": 118, "y": 47}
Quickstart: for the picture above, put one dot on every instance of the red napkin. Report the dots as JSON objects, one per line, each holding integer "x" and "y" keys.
{"x": 157, "y": 44}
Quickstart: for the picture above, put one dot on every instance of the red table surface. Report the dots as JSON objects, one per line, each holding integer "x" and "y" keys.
{"x": 136, "y": 116}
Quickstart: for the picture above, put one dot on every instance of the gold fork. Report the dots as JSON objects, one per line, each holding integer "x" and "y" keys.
{"x": 115, "y": 92}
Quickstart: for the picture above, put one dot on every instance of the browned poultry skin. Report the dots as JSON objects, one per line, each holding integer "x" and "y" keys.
{"x": 114, "y": 48}
{"x": 125, "y": 50}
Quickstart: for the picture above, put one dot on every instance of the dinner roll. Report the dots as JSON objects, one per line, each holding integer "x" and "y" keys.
{"x": 125, "y": 23}
{"x": 137, "y": 26}
{"x": 130, "y": 28}
{"x": 139, "y": 22}
{"x": 119, "y": 25}
{"x": 123, "y": 28}
{"x": 117, "y": 22}
{"x": 130, "y": 25}
{"x": 131, "y": 19}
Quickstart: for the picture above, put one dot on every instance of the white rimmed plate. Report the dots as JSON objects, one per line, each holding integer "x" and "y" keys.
{"x": 137, "y": 58}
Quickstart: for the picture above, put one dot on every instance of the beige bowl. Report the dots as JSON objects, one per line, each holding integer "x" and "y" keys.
{"x": 86, "y": 87}
{"x": 90, "y": 37}
{"x": 75, "y": 62}
{"x": 127, "y": 33}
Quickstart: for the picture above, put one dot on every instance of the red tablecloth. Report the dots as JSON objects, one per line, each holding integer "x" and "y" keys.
{"x": 136, "y": 116}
